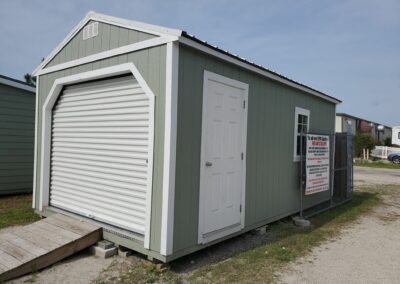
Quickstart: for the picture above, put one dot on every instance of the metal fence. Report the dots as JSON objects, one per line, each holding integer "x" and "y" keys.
{"x": 340, "y": 173}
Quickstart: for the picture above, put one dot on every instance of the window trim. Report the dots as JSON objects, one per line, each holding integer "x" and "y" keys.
{"x": 302, "y": 111}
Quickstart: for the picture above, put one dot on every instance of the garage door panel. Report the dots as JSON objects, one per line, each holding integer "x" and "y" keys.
{"x": 124, "y": 95}
{"x": 133, "y": 191}
{"x": 100, "y": 152}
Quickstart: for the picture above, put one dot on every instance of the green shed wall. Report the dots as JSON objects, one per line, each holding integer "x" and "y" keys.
{"x": 151, "y": 63}
{"x": 17, "y": 126}
{"x": 109, "y": 37}
{"x": 272, "y": 190}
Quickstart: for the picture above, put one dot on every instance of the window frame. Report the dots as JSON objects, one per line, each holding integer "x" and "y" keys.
{"x": 305, "y": 112}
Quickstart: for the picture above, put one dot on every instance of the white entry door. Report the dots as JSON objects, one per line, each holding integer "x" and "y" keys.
{"x": 223, "y": 157}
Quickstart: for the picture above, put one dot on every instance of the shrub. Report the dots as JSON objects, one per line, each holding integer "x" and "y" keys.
{"x": 361, "y": 141}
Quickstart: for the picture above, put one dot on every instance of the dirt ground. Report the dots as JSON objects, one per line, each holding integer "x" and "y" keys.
{"x": 367, "y": 252}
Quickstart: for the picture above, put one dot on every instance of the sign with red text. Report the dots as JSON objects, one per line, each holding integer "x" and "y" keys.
{"x": 317, "y": 163}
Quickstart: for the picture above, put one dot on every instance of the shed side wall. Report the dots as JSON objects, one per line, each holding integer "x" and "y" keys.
{"x": 151, "y": 63}
{"x": 17, "y": 124}
{"x": 272, "y": 189}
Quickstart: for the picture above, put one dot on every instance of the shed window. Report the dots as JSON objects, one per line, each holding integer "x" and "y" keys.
{"x": 398, "y": 135}
{"x": 301, "y": 124}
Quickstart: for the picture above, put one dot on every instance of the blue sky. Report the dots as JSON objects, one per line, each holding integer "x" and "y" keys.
{"x": 347, "y": 49}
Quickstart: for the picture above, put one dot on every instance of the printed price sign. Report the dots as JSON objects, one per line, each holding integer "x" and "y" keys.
{"x": 317, "y": 163}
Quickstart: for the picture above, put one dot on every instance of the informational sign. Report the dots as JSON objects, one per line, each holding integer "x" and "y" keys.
{"x": 317, "y": 163}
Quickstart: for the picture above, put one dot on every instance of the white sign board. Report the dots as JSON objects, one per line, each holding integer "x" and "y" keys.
{"x": 317, "y": 163}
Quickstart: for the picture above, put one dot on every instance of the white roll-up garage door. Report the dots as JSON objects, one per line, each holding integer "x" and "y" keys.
{"x": 101, "y": 136}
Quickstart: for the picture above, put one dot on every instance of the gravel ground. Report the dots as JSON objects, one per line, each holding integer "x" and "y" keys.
{"x": 368, "y": 252}
{"x": 366, "y": 175}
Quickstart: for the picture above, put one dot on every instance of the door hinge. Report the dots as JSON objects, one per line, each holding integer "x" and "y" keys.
{"x": 242, "y": 155}
{"x": 244, "y": 104}
{"x": 240, "y": 208}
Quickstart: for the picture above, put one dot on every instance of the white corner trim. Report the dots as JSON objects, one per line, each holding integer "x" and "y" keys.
{"x": 35, "y": 145}
{"x": 170, "y": 132}
{"x": 47, "y": 108}
{"x": 109, "y": 53}
{"x": 18, "y": 85}
{"x": 139, "y": 26}
{"x": 252, "y": 68}
{"x": 210, "y": 76}
{"x": 297, "y": 111}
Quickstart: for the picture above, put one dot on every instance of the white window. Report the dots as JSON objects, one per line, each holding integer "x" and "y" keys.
{"x": 301, "y": 124}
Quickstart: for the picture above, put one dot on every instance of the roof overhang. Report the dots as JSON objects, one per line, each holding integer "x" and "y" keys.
{"x": 167, "y": 35}
{"x": 17, "y": 84}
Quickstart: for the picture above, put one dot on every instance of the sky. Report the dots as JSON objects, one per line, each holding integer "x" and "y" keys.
{"x": 346, "y": 49}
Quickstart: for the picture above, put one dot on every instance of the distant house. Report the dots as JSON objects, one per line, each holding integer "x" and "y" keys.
{"x": 17, "y": 127}
{"x": 353, "y": 125}
{"x": 396, "y": 135}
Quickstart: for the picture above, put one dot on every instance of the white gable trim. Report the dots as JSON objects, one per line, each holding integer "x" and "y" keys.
{"x": 109, "y": 53}
{"x": 142, "y": 27}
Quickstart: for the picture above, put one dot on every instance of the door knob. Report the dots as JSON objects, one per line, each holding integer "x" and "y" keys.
{"x": 208, "y": 164}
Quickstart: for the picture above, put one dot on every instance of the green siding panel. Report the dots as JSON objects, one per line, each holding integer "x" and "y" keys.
{"x": 271, "y": 175}
{"x": 152, "y": 66}
{"x": 17, "y": 124}
{"x": 109, "y": 37}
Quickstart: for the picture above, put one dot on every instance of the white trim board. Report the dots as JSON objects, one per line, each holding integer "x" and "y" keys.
{"x": 170, "y": 131}
{"x": 93, "y": 16}
{"x": 210, "y": 76}
{"x": 47, "y": 108}
{"x": 18, "y": 85}
{"x": 35, "y": 144}
{"x": 106, "y": 54}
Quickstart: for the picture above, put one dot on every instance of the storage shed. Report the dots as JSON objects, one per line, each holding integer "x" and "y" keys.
{"x": 17, "y": 126}
{"x": 169, "y": 143}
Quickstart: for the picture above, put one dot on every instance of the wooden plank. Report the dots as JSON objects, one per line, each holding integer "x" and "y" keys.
{"x": 3, "y": 268}
{"x": 53, "y": 256}
{"x": 8, "y": 260}
{"x": 74, "y": 225}
{"x": 37, "y": 239}
{"x": 60, "y": 231}
{"x": 22, "y": 243}
{"x": 58, "y": 239}
{"x": 16, "y": 252}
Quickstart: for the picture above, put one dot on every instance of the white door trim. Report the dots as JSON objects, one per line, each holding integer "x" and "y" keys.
{"x": 170, "y": 131}
{"x": 245, "y": 87}
{"x": 47, "y": 108}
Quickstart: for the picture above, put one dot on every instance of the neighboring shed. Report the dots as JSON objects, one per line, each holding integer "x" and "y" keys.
{"x": 169, "y": 143}
{"x": 17, "y": 127}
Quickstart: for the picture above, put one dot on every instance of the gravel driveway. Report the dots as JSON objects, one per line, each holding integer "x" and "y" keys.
{"x": 367, "y": 252}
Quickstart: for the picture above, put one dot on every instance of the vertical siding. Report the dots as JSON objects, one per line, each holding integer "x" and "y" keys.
{"x": 151, "y": 64}
{"x": 271, "y": 175}
{"x": 17, "y": 123}
{"x": 109, "y": 37}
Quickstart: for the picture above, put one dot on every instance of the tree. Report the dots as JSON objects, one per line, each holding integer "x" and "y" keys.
{"x": 363, "y": 141}
{"x": 29, "y": 79}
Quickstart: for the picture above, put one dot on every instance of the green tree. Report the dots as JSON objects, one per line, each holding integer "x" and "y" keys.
{"x": 363, "y": 141}
{"x": 29, "y": 79}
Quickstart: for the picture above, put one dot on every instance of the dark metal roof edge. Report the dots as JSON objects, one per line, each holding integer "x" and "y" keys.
{"x": 360, "y": 118}
{"x": 17, "y": 81}
{"x": 185, "y": 34}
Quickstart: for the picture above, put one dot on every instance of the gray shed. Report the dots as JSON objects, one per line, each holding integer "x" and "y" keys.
{"x": 17, "y": 126}
{"x": 167, "y": 142}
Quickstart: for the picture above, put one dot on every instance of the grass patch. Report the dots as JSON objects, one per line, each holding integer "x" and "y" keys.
{"x": 259, "y": 261}
{"x": 16, "y": 210}
{"x": 380, "y": 165}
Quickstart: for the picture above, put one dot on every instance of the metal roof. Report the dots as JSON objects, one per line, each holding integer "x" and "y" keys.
{"x": 17, "y": 83}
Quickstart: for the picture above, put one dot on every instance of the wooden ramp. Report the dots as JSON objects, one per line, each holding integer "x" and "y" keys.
{"x": 32, "y": 247}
